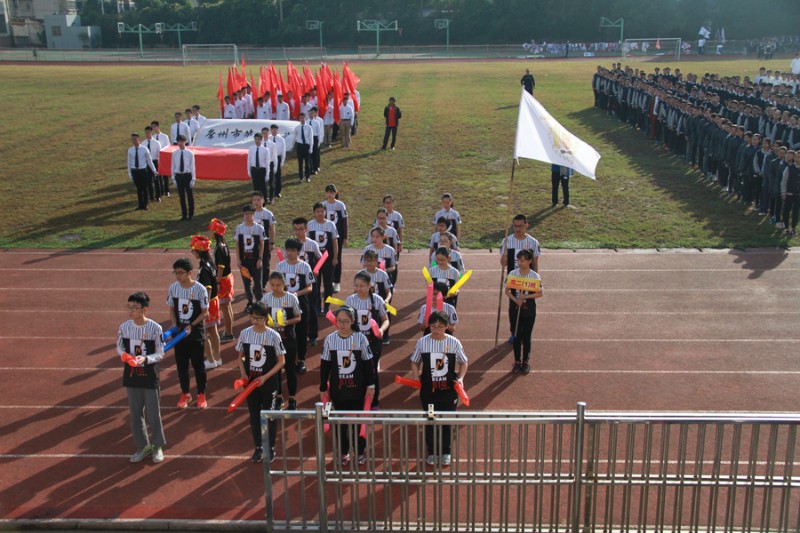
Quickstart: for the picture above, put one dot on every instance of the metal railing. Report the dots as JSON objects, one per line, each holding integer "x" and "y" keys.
{"x": 523, "y": 472}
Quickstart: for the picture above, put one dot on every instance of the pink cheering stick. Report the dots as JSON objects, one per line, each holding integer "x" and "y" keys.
{"x": 279, "y": 252}
{"x": 439, "y": 301}
{"x": 376, "y": 330}
{"x": 321, "y": 262}
{"x": 367, "y": 407}
{"x": 428, "y": 303}
{"x": 331, "y": 317}
{"x": 413, "y": 383}
{"x": 382, "y": 265}
{"x": 175, "y": 340}
{"x": 243, "y": 395}
{"x": 128, "y": 358}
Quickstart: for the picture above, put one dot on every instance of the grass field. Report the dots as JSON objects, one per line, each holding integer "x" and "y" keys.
{"x": 64, "y": 182}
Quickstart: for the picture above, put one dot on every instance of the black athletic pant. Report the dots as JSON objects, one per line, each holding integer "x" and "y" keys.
{"x": 185, "y": 191}
{"x": 303, "y": 160}
{"x": 445, "y": 401}
{"x": 141, "y": 176}
{"x": 393, "y": 131}
{"x": 252, "y": 287}
{"x": 190, "y": 350}
{"x": 522, "y": 338}
{"x": 301, "y": 328}
{"x": 791, "y": 205}
{"x": 346, "y": 430}
{"x": 277, "y": 185}
{"x": 315, "y": 155}
{"x": 263, "y": 398}
{"x": 259, "y": 177}
{"x": 290, "y": 344}
{"x": 555, "y": 179}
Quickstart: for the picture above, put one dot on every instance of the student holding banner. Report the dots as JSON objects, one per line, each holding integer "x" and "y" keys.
{"x": 523, "y": 286}
{"x": 511, "y": 246}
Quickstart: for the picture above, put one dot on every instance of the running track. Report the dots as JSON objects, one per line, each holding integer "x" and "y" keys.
{"x": 712, "y": 330}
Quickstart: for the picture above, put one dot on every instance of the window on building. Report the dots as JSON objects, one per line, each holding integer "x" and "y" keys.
{"x": 56, "y": 30}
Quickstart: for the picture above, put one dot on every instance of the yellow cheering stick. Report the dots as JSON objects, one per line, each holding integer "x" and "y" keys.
{"x": 280, "y": 317}
{"x": 270, "y": 322}
{"x": 392, "y": 310}
{"x": 459, "y": 283}
{"x": 427, "y": 275}
{"x": 334, "y": 301}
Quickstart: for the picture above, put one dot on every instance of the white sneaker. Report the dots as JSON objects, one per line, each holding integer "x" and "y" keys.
{"x": 210, "y": 364}
{"x": 141, "y": 454}
{"x": 158, "y": 454}
{"x": 431, "y": 460}
{"x": 447, "y": 459}
{"x": 336, "y": 287}
{"x": 218, "y": 362}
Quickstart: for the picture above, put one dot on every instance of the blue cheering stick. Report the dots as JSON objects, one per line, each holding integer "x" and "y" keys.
{"x": 175, "y": 340}
{"x": 169, "y": 333}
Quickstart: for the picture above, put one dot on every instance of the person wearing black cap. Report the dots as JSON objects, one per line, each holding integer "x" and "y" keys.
{"x": 140, "y": 164}
{"x": 183, "y": 176}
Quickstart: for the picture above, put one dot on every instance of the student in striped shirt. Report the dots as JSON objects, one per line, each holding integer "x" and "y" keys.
{"x": 446, "y": 241}
{"x": 300, "y": 282}
{"x": 447, "y": 309}
{"x": 261, "y": 357}
{"x": 278, "y": 299}
{"x": 451, "y": 216}
{"x": 391, "y": 237}
{"x": 441, "y": 229}
{"x": 522, "y": 313}
{"x": 309, "y": 252}
{"x": 385, "y": 252}
{"x": 266, "y": 218}
{"x": 444, "y": 272}
{"x": 396, "y": 221}
{"x": 379, "y": 281}
{"x": 438, "y": 362}
{"x": 141, "y": 337}
{"x": 369, "y": 306}
{"x": 347, "y": 375}
{"x": 250, "y": 243}
{"x": 511, "y": 246}
{"x": 324, "y": 233}
{"x": 337, "y": 213}
{"x": 188, "y": 302}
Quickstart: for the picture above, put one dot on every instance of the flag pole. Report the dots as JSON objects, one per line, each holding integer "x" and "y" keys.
{"x": 505, "y": 240}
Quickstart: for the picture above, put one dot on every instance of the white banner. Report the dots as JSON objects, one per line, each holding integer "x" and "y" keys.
{"x": 238, "y": 133}
{"x": 541, "y": 137}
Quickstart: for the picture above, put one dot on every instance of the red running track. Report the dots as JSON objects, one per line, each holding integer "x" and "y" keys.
{"x": 711, "y": 330}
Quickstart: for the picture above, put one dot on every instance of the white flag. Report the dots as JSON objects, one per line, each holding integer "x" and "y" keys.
{"x": 704, "y": 32}
{"x": 541, "y": 137}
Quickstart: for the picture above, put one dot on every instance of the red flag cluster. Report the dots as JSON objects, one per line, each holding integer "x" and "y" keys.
{"x": 269, "y": 79}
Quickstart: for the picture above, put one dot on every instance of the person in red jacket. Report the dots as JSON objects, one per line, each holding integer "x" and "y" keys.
{"x": 392, "y": 115}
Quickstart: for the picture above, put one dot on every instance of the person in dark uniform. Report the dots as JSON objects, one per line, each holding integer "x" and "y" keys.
{"x": 528, "y": 82}
{"x": 438, "y": 362}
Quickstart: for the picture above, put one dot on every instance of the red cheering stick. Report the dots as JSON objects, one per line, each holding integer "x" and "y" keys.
{"x": 413, "y": 383}
{"x": 243, "y": 395}
{"x": 128, "y": 358}
{"x": 239, "y": 383}
{"x": 376, "y": 330}
{"x": 280, "y": 254}
{"x": 367, "y": 407}
{"x": 462, "y": 394}
{"x": 428, "y": 303}
{"x": 439, "y": 301}
{"x": 321, "y": 262}
{"x": 330, "y": 317}
{"x": 245, "y": 273}
{"x": 175, "y": 340}
{"x": 169, "y": 333}
{"x": 382, "y": 265}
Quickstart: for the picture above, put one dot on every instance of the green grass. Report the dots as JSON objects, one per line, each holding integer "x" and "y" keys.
{"x": 65, "y": 185}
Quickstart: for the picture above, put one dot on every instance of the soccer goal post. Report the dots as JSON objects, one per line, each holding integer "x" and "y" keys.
{"x": 210, "y": 53}
{"x": 669, "y": 47}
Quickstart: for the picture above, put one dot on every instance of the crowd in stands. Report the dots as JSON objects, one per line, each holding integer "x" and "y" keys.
{"x": 739, "y": 132}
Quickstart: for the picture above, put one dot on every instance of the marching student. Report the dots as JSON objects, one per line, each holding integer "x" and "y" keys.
{"x": 380, "y": 281}
{"x": 273, "y": 163}
{"x": 267, "y": 220}
{"x": 444, "y": 272}
{"x": 390, "y": 237}
{"x": 258, "y": 160}
{"x": 346, "y": 116}
{"x": 318, "y": 128}
{"x": 207, "y": 277}
{"x": 141, "y": 337}
{"x": 280, "y": 155}
{"x": 188, "y": 303}
{"x": 446, "y": 241}
{"x": 324, "y": 233}
{"x": 438, "y": 362}
{"x": 309, "y": 252}
{"x": 328, "y": 120}
{"x": 369, "y": 306}
{"x": 337, "y": 213}
{"x": 229, "y": 109}
{"x": 261, "y": 357}
{"x": 222, "y": 258}
{"x": 282, "y": 109}
{"x": 447, "y": 309}
{"x": 347, "y": 375}
{"x": 154, "y": 147}
{"x": 300, "y": 281}
{"x": 163, "y": 140}
{"x": 304, "y": 148}
{"x": 449, "y": 214}
{"x": 518, "y": 240}
{"x": 522, "y": 312}
{"x": 250, "y": 241}
{"x": 180, "y": 128}
{"x": 441, "y": 229}
{"x": 396, "y": 220}
{"x": 279, "y": 300}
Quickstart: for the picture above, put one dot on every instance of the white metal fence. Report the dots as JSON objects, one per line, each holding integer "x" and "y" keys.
{"x": 535, "y": 472}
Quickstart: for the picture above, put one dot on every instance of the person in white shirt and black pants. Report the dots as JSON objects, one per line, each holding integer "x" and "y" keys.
{"x": 184, "y": 177}
{"x": 280, "y": 160}
{"x": 154, "y": 147}
{"x": 180, "y": 128}
{"x": 303, "y": 139}
{"x": 139, "y": 166}
{"x": 163, "y": 140}
{"x": 258, "y": 159}
{"x": 318, "y": 127}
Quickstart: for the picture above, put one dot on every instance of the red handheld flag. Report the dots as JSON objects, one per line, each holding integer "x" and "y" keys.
{"x": 221, "y": 97}
{"x": 320, "y": 262}
{"x": 243, "y": 395}
{"x": 128, "y": 358}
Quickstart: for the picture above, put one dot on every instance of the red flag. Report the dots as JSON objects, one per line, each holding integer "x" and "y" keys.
{"x": 221, "y": 97}
{"x": 658, "y": 44}
{"x": 350, "y": 81}
{"x": 338, "y": 94}
{"x": 256, "y": 86}
{"x": 322, "y": 95}
{"x": 308, "y": 79}
{"x": 231, "y": 82}
{"x": 273, "y": 85}
{"x": 244, "y": 65}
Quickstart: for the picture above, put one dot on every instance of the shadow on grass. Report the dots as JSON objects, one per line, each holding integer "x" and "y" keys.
{"x": 699, "y": 198}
